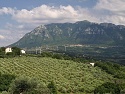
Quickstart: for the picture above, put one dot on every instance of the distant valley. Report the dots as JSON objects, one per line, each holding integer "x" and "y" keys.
{"x": 104, "y": 41}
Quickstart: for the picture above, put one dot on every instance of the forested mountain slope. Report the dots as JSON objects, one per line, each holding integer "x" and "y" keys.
{"x": 82, "y": 32}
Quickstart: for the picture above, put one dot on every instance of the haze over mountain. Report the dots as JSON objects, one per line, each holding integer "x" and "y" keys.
{"x": 81, "y": 32}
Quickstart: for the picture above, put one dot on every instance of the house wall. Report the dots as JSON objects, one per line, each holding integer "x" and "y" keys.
{"x": 7, "y": 50}
{"x": 23, "y": 52}
{"x": 92, "y": 64}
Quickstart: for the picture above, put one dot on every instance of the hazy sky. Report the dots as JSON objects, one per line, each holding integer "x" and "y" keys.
{"x": 18, "y": 17}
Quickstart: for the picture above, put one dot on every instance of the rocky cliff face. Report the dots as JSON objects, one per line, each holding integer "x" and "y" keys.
{"x": 82, "y": 32}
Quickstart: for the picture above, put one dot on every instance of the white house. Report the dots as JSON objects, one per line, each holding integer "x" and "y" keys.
{"x": 8, "y": 50}
{"x": 92, "y": 64}
{"x": 23, "y": 51}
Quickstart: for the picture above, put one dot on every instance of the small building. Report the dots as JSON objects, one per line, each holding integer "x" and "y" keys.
{"x": 23, "y": 52}
{"x": 92, "y": 64}
{"x": 8, "y": 50}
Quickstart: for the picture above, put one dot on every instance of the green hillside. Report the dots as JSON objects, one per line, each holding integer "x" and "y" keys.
{"x": 69, "y": 76}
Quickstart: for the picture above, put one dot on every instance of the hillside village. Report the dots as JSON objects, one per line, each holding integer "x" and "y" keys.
{"x": 11, "y": 51}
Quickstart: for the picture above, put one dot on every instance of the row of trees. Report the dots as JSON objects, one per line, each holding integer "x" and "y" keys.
{"x": 63, "y": 56}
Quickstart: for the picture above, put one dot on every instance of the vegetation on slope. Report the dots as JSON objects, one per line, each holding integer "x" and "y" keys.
{"x": 5, "y": 81}
{"x": 81, "y": 32}
{"x": 24, "y": 85}
{"x": 68, "y": 76}
{"x": 118, "y": 71}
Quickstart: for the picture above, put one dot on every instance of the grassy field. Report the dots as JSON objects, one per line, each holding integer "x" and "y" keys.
{"x": 69, "y": 76}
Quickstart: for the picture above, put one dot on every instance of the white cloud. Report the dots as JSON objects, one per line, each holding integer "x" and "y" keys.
{"x": 10, "y": 36}
{"x": 2, "y": 37}
{"x": 103, "y": 11}
{"x": 80, "y": 0}
{"x": 6, "y": 10}
{"x": 111, "y": 5}
{"x": 46, "y": 14}
{"x": 112, "y": 11}
{"x": 50, "y": 14}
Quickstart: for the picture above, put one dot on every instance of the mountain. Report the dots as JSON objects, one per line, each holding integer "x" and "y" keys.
{"x": 81, "y": 32}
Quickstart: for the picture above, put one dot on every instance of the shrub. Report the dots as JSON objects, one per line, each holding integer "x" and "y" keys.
{"x": 27, "y": 86}
{"x": 5, "y": 81}
{"x": 52, "y": 87}
{"x": 108, "y": 88}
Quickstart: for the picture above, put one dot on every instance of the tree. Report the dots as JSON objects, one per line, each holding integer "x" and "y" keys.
{"x": 3, "y": 49}
{"x": 16, "y": 51}
{"x": 108, "y": 88}
{"x": 46, "y": 54}
{"x": 23, "y": 85}
{"x": 58, "y": 56}
{"x": 2, "y": 52}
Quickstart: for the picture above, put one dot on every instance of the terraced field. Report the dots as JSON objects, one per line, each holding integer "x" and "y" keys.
{"x": 69, "y": 76}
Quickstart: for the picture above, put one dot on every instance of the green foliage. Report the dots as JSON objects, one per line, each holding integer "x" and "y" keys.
{"x": 46, "y": 54}
{"x": 108, "y": 87}
{"x": 10, "y": 54}
{"x": 3, "y": 48}
{"x": 57, "y": 56}
{"x": 27, "y": 86}
{"x": 65, "y": 56}
{"x": 2, "y": 52}
{"x": 4, "y": 92}
{"x": 53, "y": 55}
{"x": 52, "y": 87}
{"x": 112, "y": 68}
{"x": 5, "y": 80}
{"x": 16, "y": 51}
{"x": 67, "y": 75}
